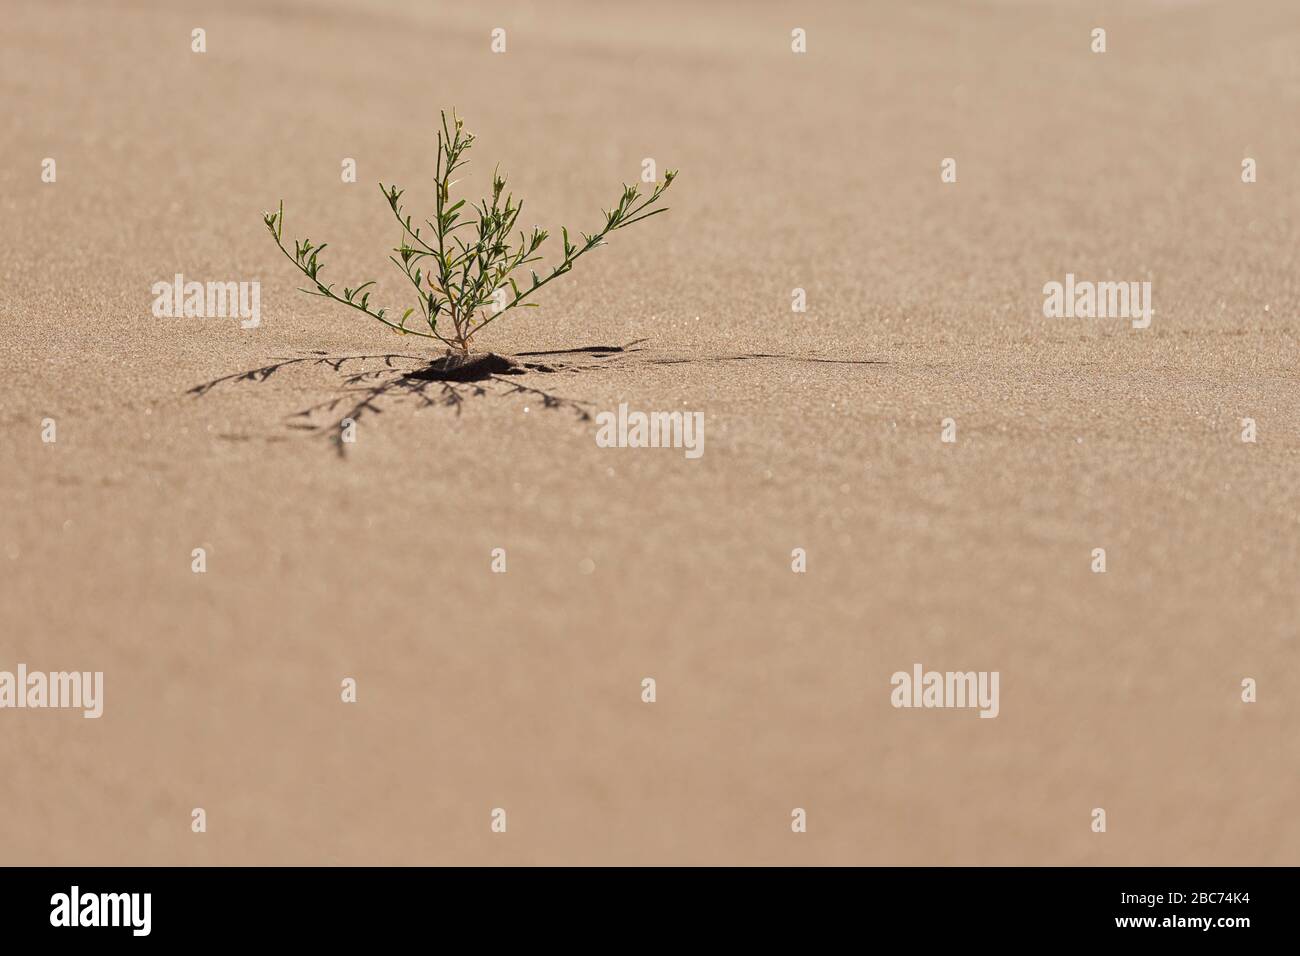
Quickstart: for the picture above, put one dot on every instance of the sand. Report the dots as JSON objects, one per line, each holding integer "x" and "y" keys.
{"x": 523, "y": 691}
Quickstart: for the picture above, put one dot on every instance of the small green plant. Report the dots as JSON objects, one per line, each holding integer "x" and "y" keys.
{"x": 461, "y": 282}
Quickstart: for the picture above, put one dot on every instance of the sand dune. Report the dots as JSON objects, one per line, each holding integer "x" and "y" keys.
{"x": 373, "y": 560}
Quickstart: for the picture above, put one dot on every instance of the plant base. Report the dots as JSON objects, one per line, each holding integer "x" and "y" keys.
{"x": 473, "y": 367}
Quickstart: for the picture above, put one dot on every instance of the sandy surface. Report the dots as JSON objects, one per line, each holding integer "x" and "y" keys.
{"x": 522, "y": 690}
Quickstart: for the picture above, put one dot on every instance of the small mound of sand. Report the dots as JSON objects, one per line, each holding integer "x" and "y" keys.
{"x": 468, "y": 368}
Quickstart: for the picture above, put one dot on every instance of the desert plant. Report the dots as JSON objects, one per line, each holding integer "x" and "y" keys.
{"x": 466, "y": 279}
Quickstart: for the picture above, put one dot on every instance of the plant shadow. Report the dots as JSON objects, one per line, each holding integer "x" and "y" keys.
{"x": 413, "y": 380}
